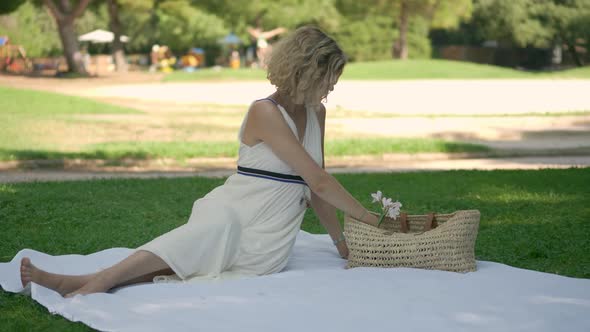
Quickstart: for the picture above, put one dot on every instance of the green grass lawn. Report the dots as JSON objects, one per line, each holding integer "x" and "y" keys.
{"x": 28, "y": 118}
{"x": 394, "y": 70}
{"x": 526, "y": 222}
{"x": 22, "y": 102}
{"x": 42, "y": 125}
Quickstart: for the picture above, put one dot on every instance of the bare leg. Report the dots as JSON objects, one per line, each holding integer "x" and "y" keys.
{"x": 60, "y": 283}
{"x": 64, "y": 284}
{"x": 137, "y": 265}
{"x": 146, "y": 278}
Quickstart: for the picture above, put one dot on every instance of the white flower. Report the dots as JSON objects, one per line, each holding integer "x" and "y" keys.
{"x": 386, "y": 202}
{"x": 389, "y": 208}
{"x": 376, "y": 196}
{"x": 393, "y": 210}
{"x": 393, "y": 213}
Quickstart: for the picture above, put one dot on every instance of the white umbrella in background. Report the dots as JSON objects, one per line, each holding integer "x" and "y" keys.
{"x": 101, "y": 36}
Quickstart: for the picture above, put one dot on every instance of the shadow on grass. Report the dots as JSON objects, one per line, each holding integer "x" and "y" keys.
{"x": 117, "y": 151}
{"x": 22, "y": 155}
{"x": 376, "y": 146}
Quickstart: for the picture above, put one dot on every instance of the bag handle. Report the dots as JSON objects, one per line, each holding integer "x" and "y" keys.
{"x": 430, "y": 222}
{"x": 404, "y": 222}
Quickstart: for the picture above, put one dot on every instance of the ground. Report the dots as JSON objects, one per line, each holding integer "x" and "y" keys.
{"x": 544, "y": 122}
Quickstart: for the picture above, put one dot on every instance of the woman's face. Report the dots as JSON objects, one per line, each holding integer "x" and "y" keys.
{"x": 333, "y": 83}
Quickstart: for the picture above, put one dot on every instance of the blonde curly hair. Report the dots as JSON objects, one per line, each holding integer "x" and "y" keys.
{"x": 306, "y": 65}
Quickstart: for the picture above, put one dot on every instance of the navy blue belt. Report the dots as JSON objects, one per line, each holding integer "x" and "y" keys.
{"x": 259, "y": 173}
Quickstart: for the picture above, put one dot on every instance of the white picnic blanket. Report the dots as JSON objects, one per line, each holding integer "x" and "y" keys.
{"x": 316, "y": 293}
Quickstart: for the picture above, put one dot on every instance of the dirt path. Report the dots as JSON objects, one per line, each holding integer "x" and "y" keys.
{"x": 361, "y": 108}
{"x": 497, "y": 96}
{"x": 379, "y": 98}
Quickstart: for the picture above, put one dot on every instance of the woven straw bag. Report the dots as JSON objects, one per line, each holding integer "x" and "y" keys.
{"x": 431, "y": 241}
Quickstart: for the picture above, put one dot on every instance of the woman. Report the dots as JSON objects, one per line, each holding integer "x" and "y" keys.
{"x": 248, "y": 226}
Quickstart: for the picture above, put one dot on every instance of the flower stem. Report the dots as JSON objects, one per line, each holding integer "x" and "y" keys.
{"x": 380, "y": 219}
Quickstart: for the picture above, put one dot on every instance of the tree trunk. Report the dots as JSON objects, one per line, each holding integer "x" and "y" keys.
{"x": 64, "y": 16}
{"x": 571, "y": 48}
{"x": 400, "y": 47}
{"x": 118, "y": 49}
{"x": 69, "y": 41}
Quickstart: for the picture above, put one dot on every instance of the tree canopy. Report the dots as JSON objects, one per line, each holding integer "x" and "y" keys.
{"x": 367, "y": 30}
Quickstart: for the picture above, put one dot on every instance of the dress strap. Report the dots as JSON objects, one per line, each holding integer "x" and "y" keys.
{"x": 268, "y": 98}
{"x": 259, "y": 173}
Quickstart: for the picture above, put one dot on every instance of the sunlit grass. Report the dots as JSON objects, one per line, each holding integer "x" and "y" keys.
{"x": 394, "y": 70}
{"x": 534, "y": 220}
{"x": 41, "y": 125}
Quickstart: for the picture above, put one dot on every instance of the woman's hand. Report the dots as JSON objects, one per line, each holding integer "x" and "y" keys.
{"x": 342, "y": 249}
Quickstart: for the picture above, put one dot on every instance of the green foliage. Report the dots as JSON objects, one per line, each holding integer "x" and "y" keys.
{"x": 33, "y": 28}
{"x": 95, "y": 17}
{"x": 371, "y": 38}
{"x": 365, "y": 29}
{"x": 182, "y": 26}
{"x": 448, "y": 14}
{"x": 366, "y": 40}
{"x": 418, "y": 42}
{"x": 8, "y": 6}
{"x": 533, "y": 22}
{"x": 514, "y": 21}
{"x": 377, "y": 19}
{"x": 569, "y": 22}
{"x": 272, "y": 14}
{"x": 433, "y": 14}
{"x": 139, "y": 23}
{"x": 175, "y": 23}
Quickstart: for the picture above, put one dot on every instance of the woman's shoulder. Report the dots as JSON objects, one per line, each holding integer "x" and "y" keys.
{"x": 266, "y": 109}
{"x": 264, "y": 105}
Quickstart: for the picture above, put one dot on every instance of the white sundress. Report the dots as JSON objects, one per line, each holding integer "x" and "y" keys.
{"x": 248, "y": 225}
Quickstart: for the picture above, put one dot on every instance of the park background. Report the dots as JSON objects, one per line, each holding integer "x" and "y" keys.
{"x": 534, "y": 35}
{"x": 445, "y": 105}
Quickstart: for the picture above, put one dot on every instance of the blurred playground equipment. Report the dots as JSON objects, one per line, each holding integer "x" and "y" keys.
{"x": 194, "y": 59}
{"x": 162, "y": 59}
{"x": 13, "y": 58}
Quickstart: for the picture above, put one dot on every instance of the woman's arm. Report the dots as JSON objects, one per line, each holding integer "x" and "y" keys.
{"x": 268, "y": 125}
{"x": 327, "y": 213}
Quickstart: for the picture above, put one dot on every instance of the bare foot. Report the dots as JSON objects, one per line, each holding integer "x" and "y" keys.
{"x": 60, "y": 283}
